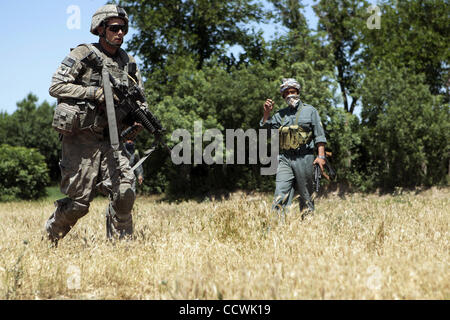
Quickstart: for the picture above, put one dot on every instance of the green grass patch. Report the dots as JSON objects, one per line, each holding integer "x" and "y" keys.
{"x": 53, "y": 193}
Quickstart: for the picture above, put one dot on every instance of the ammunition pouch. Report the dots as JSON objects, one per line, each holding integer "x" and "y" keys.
{"x": 73, "y": 115}
{"x": 88, "y": 114}
{"x": 65, "y": 118}
{"x": 294, "y": 137}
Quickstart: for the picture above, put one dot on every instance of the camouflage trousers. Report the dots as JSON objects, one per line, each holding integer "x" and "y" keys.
{"x": 294, "y": 173}
{"x": 88, "y": 165}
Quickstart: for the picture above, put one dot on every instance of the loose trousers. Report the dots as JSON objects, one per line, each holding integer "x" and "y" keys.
{"x": 294, "y": 172}
{"x": 87, "y": 165}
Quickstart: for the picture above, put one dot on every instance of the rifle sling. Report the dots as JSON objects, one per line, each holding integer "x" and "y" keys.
{"x": 147, "y": 154}
{"x": 110, "y": 112}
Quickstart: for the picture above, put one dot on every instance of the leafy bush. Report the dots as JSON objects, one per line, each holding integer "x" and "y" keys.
{"x": 23, "y": 173}
{"x": 30, "y": 126}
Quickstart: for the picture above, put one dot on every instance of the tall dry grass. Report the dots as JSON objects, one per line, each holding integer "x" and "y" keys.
{"x": 357, "y": 247}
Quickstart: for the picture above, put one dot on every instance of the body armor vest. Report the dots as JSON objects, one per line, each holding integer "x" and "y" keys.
{"x": 74, "y": 114}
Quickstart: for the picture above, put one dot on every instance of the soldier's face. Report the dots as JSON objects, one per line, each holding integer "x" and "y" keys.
{"x": 290, "y": 91}
{"x": 116, "y": 29}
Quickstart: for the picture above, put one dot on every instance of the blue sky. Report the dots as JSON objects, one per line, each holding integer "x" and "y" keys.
{"x": 36, "y": 39}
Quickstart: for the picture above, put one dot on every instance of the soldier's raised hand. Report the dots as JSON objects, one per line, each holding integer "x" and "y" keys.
{"x": 268, "y": 107}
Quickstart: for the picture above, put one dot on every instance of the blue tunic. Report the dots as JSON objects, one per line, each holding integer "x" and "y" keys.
{"x": 295, "y": 168}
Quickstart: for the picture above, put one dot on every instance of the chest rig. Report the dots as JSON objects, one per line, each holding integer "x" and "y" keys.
{"x": 73, "y": 115}
{"x": 121, "y": 69}
{"x": 294, "y": 136}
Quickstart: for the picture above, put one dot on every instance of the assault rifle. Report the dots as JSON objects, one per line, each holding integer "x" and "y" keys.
{"x": 129, "y": 96}
{"x": 130, "y": 99}
{"x": 318, "y": 173}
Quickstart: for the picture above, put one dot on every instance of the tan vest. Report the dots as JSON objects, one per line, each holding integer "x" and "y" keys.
{"x": 294, "y": 136}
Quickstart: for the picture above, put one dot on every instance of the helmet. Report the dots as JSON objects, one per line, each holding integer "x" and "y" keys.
{"x": 106, "y": 12}
{"x": 289, "y": 83}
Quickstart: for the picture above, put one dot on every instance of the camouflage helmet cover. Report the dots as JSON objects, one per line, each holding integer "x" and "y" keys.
{"x": 289, "y": 83}
{"x": 106, "y": 12}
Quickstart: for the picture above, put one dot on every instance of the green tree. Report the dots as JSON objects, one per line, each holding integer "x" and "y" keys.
{"x": 171, "y": 31}
{"x": 30, "y": 126}
{"x": 288, "y": 12}
{"x": 189, "y": 77}
{"x": 23, "y": 173}
{"x": 222, "y": 100}
{"x": 343, "y": 22}
{"x": 405, "y": 129}
{"x": 414, "y": 34}
{"x": 4, "y": 121}
{"x": 183, "y": 35}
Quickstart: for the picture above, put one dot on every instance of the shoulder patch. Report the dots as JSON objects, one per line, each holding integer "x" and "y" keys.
{"x": 69, "y": 62}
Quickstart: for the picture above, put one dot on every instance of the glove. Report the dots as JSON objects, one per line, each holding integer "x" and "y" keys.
{"x": 99, "y": 96}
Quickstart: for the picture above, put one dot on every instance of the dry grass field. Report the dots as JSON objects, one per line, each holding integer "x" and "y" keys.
{"x": 354, "y": 247}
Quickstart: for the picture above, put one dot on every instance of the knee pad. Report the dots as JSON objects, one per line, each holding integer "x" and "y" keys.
{"x": 125, "y": 200}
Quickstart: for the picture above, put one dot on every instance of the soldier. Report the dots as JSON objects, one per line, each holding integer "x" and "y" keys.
{"x": 300, "y": 130}
{"x": 92, "y": 157}
{"x": 134, "y": 157}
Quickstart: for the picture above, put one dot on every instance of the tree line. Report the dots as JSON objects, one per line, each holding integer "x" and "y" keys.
{"x": 382, "y": 93}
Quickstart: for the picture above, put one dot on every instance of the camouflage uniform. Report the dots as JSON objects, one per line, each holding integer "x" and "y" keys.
{"x": 295, "y": 166}
{"x": 88, "y": 163}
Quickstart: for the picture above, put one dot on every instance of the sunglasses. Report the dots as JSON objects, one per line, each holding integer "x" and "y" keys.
{"x": 116, "y": 27}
